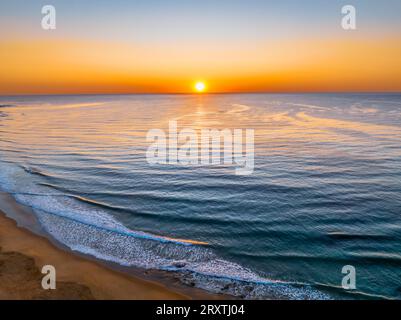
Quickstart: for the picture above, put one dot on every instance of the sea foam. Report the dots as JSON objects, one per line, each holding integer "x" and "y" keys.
{"x": 95, "y": 232}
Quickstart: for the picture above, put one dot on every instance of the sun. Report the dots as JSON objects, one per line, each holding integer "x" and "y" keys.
{"x": 200, "y": 86}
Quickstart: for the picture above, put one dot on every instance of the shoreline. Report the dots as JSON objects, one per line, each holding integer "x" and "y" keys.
{"x": 25, "y": 248}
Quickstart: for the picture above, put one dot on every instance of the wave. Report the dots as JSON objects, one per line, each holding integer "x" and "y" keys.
{"x": 35, "y": 171}
{"x": 238, "y": 108}
{"x": 197, "y": 265}
{"x": 354, "y": 236}
{"x": 310, "y": 106}
{"x": 84, "y": 226}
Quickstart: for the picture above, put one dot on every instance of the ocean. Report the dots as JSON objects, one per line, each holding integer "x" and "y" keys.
{"x": 325, "y": 191}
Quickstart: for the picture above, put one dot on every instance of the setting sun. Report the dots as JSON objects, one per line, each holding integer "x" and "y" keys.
{"x": 200, "y": 86}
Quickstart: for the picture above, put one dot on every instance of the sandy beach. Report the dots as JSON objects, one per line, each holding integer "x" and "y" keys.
{"x": 23, "y": 253}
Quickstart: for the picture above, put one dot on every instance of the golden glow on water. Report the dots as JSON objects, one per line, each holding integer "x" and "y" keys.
{"x": 102, "y": 125}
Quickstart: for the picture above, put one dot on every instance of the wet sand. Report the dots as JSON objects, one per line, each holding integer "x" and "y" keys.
{"x": 23, "y": 254}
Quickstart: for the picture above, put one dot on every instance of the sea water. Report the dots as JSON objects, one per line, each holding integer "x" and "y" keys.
{"x": 325, "y": 191}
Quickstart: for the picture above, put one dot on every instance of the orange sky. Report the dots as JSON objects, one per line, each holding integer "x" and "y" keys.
{"x": 71, "y": 66}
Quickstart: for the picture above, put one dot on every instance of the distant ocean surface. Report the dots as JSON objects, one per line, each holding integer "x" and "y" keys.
{"x": 325, "y": 191}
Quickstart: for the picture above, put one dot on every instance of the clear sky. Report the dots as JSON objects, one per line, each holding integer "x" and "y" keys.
{"x": 167, "y": 45}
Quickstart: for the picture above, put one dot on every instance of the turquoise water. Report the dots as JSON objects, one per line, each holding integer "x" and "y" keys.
{"x": 325, "y": 191}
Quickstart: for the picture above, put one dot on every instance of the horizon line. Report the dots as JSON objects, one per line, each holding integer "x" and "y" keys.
{"x": 199, "y": 94}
